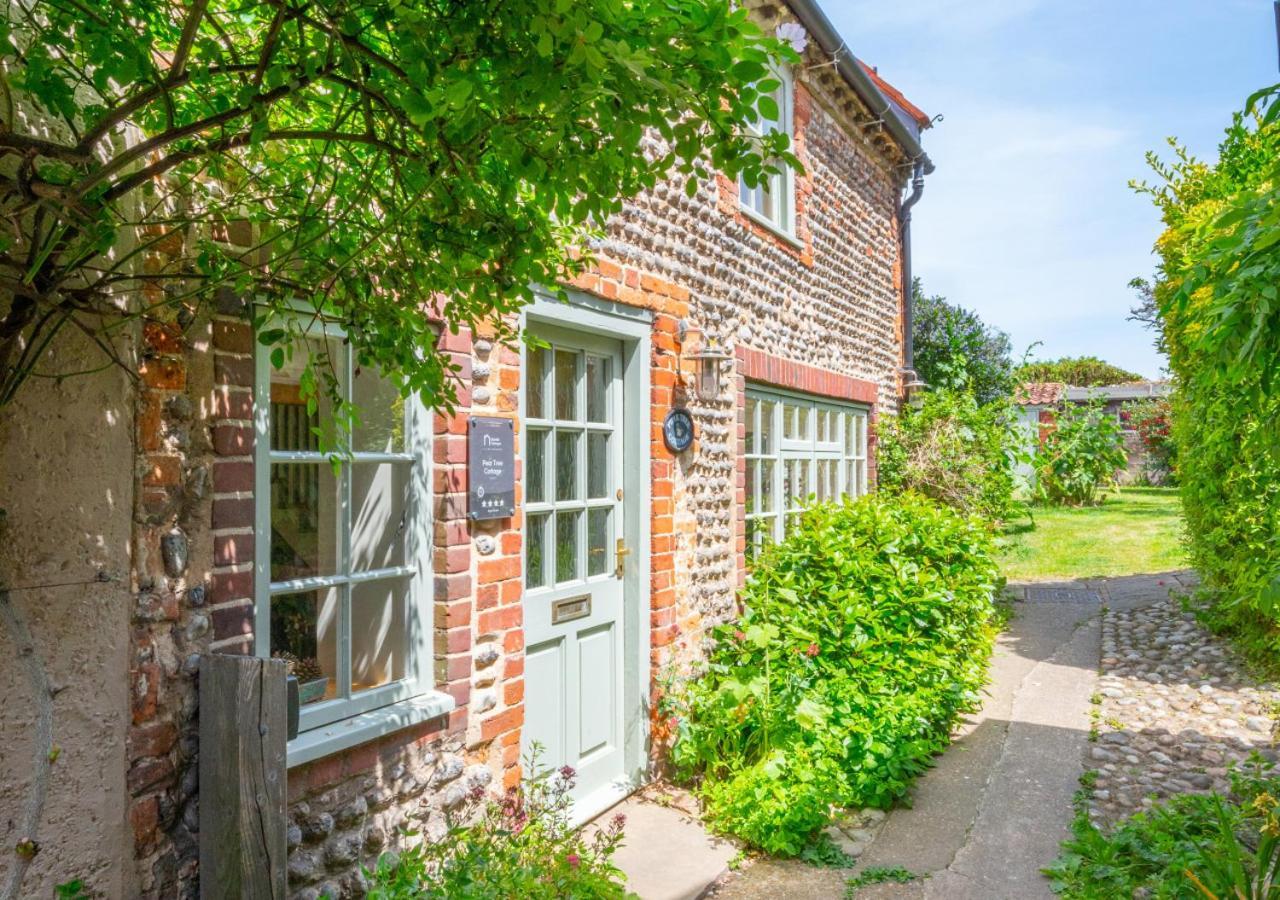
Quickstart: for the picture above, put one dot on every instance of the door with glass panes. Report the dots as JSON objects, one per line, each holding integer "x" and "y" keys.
{"x": 574, "y": 560}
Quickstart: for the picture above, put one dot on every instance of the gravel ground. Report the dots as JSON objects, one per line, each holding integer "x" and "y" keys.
{"x": 1174, "y": 709}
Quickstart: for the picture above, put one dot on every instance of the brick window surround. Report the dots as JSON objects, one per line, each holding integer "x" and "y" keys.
{"x": 757, "y": 367}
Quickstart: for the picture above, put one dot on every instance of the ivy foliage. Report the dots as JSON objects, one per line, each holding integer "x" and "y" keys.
{"x": 866, "y": 632}
{"x": 1078, "y": 371}
{"x": 1217, "y": 313}
{"x": 956, "y": 351}
{"x": 956, "y": 451}
{"x": 377, "y": 158}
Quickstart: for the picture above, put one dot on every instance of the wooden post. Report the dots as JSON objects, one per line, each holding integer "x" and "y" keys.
{"x": 242, "y": 777}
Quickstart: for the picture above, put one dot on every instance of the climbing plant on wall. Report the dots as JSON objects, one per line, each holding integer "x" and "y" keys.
{"x": 361, "y": 158}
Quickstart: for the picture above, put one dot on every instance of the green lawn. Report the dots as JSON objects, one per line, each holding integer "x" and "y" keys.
{"x": 1135, "y": 530}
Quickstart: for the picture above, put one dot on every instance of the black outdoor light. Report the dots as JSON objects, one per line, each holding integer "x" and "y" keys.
{"x": 708, "y": 360}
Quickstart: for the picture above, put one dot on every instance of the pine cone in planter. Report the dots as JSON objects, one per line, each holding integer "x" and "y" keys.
{"x": 305, "y": 669}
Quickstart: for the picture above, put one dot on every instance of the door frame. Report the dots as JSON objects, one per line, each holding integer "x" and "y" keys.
{"x": 632, "y": 328}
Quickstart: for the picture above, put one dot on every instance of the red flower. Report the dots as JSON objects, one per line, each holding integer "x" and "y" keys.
{"x": 740, "y": 635}
{"x": 812, "y": 650}
{"x": 572, "y": 860}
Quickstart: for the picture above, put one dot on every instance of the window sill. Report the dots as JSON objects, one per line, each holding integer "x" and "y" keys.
{"x": 772, "y": 226}
{"x": 329, "y": 739}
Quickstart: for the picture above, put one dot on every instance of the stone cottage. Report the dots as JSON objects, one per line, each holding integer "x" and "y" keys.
{"x": 437, "y": 634}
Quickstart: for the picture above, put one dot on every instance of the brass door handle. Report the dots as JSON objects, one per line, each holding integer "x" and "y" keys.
{"x": 620, "y": 553}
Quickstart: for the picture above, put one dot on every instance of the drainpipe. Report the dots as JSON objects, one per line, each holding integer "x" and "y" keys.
{"x": 910, "y": 380}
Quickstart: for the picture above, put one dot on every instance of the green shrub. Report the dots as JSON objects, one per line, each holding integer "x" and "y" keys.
{"x": 1193, "y": 847}
{"x": 521, "y": 846}
{"x": 1215, "y": 293}
{"x": 1079, "y": 371}
{"x": 1080, "y": 456}
{"x": 954, "y": 451}
{"x": 865, "y": 634}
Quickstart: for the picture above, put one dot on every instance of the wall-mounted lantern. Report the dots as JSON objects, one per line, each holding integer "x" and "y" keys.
{"x": 708, "y": 359}
{"x": 913, "y": 388}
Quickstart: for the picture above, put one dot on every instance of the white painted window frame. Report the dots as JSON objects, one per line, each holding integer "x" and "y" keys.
{"x": 800, "y": 447}
{"x": 780, "y": 216}
{"x": 332, "y": 725}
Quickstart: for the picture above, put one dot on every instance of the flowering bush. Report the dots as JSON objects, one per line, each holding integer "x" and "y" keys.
{"x": 519, "y": 846}
{"x": 1150, "y": 419}
{"x": 866, "y": 633}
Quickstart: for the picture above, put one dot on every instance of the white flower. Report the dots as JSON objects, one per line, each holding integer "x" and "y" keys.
{"x": 794, "y": 34}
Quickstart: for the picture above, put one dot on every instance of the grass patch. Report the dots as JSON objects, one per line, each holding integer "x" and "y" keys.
{"x": 1135, "y": 530}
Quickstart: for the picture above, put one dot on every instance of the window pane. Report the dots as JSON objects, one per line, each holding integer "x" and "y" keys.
{"x": 567, "y": 465}
{"x": 822, "y": 425}
{"x": 597, "y": 541}
{"x": 567, "y": 545}
{"x": 820, "y": 487}
{"x": 291, "y": 426}
{"x": 379, "y": 514}
{"x": 860, "y": 436}
{"x": 749, "y": 419}
{"x": 535, "y": 558}
{"x": 768, "y": 502}
{"x": 566, "y": 385}
{"x": 849, "y": 441}
{"x": 802, "y": 421}
{"x": 379, "y": 639}
{"x": 598, "y": 379}
{"x": 536, "y": 464}
{"x": 767, "y": 443}
{"x": 788, "y": 421}
{"x": 304, "y": 633}
{"x": 536, "y": 382}
{"x": 597, "y": 465}
{"x": 753, "y": 467}
{"x": 381, "y": 412}
{"x": 304, "y": 520}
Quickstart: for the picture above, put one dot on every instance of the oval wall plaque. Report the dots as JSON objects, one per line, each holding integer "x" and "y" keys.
{"x": 677, "y": 430}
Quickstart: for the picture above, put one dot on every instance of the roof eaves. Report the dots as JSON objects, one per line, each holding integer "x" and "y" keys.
{"x": 815, "y": 22}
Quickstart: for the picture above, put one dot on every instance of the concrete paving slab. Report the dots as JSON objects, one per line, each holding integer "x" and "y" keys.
{"x": 666, "y": 853}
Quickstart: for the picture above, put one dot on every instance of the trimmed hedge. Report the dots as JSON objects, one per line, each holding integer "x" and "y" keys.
{"x": 866, "y": 634}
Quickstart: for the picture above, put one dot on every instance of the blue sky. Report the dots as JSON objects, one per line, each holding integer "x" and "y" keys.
{"x": 1048, "y": 109}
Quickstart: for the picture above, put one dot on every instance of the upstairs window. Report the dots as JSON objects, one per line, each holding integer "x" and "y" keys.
{"x": 772, "y": 201}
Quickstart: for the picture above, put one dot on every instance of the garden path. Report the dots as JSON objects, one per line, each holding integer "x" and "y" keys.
{"x": 992, "y": 812}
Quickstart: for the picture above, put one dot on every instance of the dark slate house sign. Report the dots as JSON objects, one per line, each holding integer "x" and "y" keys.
{"x": 491, "y": 468}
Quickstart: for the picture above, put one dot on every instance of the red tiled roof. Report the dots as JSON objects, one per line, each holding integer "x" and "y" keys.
{"x": 896, "y": 96}
{"x": 1040, "y": 393}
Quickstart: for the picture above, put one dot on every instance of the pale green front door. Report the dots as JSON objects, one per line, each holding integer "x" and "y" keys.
{"x": 574, "y": 560}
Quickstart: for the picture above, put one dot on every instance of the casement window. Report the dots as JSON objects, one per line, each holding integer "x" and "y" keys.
{"x": 342, "y": 543}
{"x": 798, "y": 447}
{"x": 773, "y": 201}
